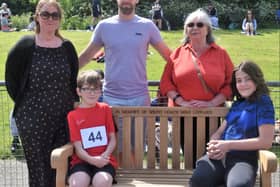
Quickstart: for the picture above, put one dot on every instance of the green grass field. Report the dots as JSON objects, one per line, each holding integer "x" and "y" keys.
{"x": 263, "y": 49}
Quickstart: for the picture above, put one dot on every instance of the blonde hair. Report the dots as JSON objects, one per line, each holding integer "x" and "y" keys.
{"x": 39, "y": 6}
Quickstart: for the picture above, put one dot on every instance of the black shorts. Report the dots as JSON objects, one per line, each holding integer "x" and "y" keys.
{"x": 157, "y": 15}
{"x": 91, "y": 170}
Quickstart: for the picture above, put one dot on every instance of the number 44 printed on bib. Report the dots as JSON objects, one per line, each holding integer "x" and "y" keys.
{"x": 94, "y": 137}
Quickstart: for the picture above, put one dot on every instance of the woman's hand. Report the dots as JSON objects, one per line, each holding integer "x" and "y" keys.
{"x": 183, "y": 103}
{"x": 215, "y": 154}
{"x": 194, "y": 103}
{"x": 217, "y": 149}
{"x": 200, "y": 104}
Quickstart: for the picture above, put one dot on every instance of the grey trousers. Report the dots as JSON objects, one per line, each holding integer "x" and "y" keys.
{"x": 235, "y": 172}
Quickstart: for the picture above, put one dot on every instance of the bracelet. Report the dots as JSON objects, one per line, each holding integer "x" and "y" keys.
{"x": 176, "y": 97}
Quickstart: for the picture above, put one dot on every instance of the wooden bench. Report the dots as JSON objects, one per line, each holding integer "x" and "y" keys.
{"x": 173, "y": 169}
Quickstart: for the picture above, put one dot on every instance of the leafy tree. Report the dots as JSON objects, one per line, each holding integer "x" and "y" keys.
{"x": 175, "y": 11}
{"x": 19, "y": 7}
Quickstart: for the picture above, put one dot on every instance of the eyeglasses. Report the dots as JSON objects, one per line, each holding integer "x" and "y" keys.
{"x": 198, "y": 24}
{"x": 46, "y": 15}
{"x": 90, "y": 90}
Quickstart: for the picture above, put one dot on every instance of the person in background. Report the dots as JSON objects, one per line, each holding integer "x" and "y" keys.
{"x": 4, "y": 10}
{"x": 101, "y": 74}
{"x": 14, "y": 132}
{"x": 5, "y": 18}
{"x": 199, "y": 72}
{"x": 93, "y": 136}
{"x": 32, "y": 24}
{"x": 96, "y": 12}
{"x": 157, "y": 14}
{"x": 212, "y": 12}
{"x": 232, "y": 152}
{"x": 125, "y": 81}
{"x": 249, "y": 24}
{"x": 41, "y": 72}
{"x": 5, "y": 24}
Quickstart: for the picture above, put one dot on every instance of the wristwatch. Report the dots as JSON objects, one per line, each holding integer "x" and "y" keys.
{"x": 176, "y": 97}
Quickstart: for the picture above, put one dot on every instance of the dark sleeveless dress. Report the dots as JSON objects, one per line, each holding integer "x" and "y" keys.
{"x": 41, "y": 115}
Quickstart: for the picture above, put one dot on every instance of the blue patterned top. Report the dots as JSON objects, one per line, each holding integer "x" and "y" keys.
{"x": 244, "y": 119}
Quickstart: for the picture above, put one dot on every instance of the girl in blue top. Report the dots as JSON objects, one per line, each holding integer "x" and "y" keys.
{"x": 232, "y": 157}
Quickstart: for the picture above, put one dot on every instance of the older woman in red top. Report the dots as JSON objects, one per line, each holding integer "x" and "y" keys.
{"x": 180, "y": 80}
{"x": 199, "y": 73}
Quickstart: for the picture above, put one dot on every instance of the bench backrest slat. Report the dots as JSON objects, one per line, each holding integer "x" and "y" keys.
{"x": 163, "y": 143}
{"x": 188, "y": 146}
{"x": 139, "y": 138}
{"x": 175, "y": 142}
{"x": 200, "y": 136}
{"x": 151, "y": 142}
{"x": 170, "y": 119}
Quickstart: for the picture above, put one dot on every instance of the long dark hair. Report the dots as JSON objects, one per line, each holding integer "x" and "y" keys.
{"x": 255, "y": 73}
{"x": 252, "y": 15}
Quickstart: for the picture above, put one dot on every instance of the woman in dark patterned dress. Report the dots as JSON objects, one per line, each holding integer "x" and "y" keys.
{"x": 40, "y": 77}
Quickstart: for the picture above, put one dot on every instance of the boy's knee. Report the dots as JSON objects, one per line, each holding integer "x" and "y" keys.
{"x": 102, "y": 183}
{"x": 102, "y": 179}
{"x": 78, "y": 183}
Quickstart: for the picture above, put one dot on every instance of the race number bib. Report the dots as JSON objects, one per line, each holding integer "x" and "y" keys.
{"x": 94, "y": 137}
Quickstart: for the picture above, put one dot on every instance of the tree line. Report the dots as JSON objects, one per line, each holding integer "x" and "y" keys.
{"x": 175, "y": 11}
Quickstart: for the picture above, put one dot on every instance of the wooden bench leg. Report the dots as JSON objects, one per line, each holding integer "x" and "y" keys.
{"x": 59, "y": 161}
{"x": 268, "y": 165}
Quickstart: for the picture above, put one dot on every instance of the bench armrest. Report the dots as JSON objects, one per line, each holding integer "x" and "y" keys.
{"x": 59, "y": 161}
{"x": 268, "y": 165}
{"x": 268, "y": 161}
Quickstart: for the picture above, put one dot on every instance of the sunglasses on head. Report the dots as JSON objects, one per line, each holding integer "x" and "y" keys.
{"x": 46, "y": 15}
{"x": 198, "y": 24}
